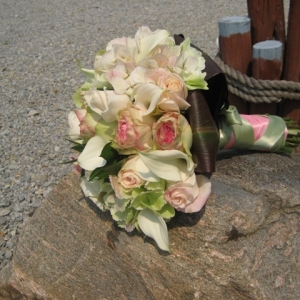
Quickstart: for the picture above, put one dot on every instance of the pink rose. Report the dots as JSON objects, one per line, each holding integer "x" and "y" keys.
{"x": 134, "y": 132}
{"x": 189, "y": 196}
{"x": 166, "y": 132}
{"x": 172, "y": 131}
{"x": 82, "y": 124}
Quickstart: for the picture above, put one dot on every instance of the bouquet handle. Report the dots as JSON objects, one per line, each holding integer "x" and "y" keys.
{"x": 204, "y": 113}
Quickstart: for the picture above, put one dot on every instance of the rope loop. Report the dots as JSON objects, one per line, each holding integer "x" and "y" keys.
{"x": 258, "y": 90}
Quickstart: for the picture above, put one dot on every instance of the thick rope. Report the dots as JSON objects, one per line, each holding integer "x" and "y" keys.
{"x": 258, "y": 90}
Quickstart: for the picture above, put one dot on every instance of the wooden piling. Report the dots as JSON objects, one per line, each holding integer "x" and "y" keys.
{"x": 291, "y": 108}
{"x": 267, "y": 20}
{"x": 236, "y": 50}
{"x": 266, "y": 64}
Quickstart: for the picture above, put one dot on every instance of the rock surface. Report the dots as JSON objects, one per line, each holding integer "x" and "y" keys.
{"x": 243, "y": 245}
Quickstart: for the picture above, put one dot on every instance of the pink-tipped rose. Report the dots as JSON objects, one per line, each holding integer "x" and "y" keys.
{"x": 190, "y": 195}
{"x": 172, "y": 131}
{"x": 82, "y": 124}
{"x": 134, "y": 132}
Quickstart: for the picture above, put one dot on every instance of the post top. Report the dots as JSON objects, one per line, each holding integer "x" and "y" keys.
{"x": 269, "y": 50}
{"x": 233, "y": 25}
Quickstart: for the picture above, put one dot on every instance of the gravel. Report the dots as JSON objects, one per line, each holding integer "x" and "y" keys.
{"x": 40, "y": 43}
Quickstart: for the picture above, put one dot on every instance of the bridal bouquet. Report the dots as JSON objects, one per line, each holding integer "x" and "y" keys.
{"x": 147, "y": 125}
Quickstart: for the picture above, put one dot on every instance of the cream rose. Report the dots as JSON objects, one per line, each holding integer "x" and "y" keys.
{"x": 190, "y": 195}
{"x": 127, "y": 178}
{"x": 159, "y": 91}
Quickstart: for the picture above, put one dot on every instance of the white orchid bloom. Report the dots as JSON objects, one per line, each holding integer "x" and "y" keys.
{"x": 91, "y": 189}
{"x": 147, "y": 40}
{"x": 171, "y": 165}
{"x": 147, "y": 96}
{"x": 90, "y": 159}
{"x": 154, "y": 226}
{"x": 106, "y": 103}
{"x": 143, "y": 171}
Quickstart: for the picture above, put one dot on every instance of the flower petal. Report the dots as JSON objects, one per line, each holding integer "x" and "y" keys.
{"x": 74, "y": 131}
{"x": 204, "y": 185}
{"x": 147, "y": 96}
{"x": 154, "y": 227}
{"x": 90, "y": 159}
{"x": 144, "y": 172}
{"x": 171, "y": 165}
{"x": 148, "y": 40}
{"x": 115, "y": 102}
{"x": 90, "y": 189}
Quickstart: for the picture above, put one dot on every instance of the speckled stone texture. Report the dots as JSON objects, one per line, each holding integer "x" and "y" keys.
{"x": 243, "y": 245}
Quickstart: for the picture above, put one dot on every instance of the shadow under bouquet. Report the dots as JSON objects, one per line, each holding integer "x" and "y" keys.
{"x": 148, "y": 123}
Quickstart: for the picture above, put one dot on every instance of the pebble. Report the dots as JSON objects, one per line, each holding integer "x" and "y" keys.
{"x": 5, "y": 203}
{"x": 2, "y": 241}
{"x": 21, "y": 198}
{"x": 2, "y": 220}
{"x": 4, "y": 212}
{"x": 32, "y": 113}
{"x": 8, "y": 254}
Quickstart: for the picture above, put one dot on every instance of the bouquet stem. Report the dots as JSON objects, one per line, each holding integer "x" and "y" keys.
{"x": 257, "y": 132}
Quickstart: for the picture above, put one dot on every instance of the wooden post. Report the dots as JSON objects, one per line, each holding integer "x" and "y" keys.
{"x": 236, "y": 50}
{"x": 292, "y": 59}
{"x": 266, "y": 64}
{"x": 267, "y": 20}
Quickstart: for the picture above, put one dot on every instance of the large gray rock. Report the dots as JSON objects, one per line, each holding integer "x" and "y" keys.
{"x": 243, "y": 245}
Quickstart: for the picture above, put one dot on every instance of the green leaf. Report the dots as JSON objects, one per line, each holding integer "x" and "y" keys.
{"x": 78, "y": 148}
{"x": 136, "y": 203}
{"x": 77, "y": 96}
{"x": 109, "y": 153}
{"x": 106, "y": 129}
{"x": 68, "y": 162}
{"x": 137, "y": 191}
{"x": 90, "y": 74}
{"x": 152, "y": 186}
{"x": 74, "y": 142}
{"x": 101, "y": 52}
{"x": 105, "y": 171}
{"x": 167, "y": 212}
{"x": 194, "y": 82}
{"x": 151, "y": 200}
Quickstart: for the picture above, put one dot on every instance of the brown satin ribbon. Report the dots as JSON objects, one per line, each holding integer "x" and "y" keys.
{"x": 204, "y": 113}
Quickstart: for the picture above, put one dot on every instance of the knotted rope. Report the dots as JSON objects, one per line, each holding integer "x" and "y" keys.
{"x": 258, "y": 90}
